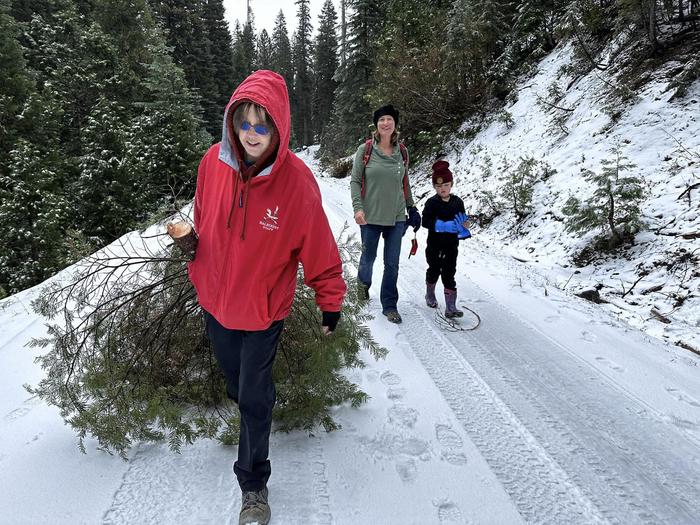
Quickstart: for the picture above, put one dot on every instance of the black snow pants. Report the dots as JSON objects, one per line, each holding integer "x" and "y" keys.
{"x": 442, "y": 262}
{"x": 246, "y": 358}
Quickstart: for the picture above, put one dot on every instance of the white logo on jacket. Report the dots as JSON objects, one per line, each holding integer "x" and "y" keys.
{"x": 269, "y": 221}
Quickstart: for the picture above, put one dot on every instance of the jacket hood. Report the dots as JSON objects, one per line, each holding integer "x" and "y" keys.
{"x": 269, "y": 90}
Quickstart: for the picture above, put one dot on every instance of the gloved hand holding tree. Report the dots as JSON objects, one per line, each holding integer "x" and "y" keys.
{"x": 461, "y": 220}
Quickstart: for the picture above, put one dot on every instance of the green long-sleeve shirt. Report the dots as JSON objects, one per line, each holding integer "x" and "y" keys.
{"x": 384, "y": 203}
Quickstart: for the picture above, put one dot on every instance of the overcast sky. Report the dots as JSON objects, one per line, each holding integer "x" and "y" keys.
{"x": 265, "y": 12}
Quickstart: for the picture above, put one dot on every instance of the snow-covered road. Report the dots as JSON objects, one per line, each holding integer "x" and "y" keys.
{"x": 550, "y": 412}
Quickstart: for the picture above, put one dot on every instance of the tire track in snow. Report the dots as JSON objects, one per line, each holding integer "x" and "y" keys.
{"x": 616, "y": 460}
{"x": 540, "y": 489}
{"x": 298, "y": 485}
{"x": 632, "y": 465}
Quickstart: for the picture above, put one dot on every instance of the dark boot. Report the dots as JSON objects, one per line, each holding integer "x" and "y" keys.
{"x": 430, "y": 299}
{"x": 362, "y": 291}
{"x": 450, "y": 304}
{"x": 254, "y": 508}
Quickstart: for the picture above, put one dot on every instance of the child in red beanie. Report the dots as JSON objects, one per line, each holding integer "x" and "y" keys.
{"x": 445, "y": 219}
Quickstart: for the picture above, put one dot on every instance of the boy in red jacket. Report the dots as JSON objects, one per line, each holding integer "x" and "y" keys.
{"x": 258, "y": 213}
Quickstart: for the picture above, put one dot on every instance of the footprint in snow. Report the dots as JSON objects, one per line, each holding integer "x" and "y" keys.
{"x": 389, "y": 446}
{"x": 390, "y": 379}
{"x": 682, "y": 397}
{"x": 451, "y": 442}
{"x": 552, "y": 318}
{"x": 17, "y": 413}
{"x": 449, "y": 513}
{"x": 407, "y": 469}
{"x": 402, "y": 415}
{"x": 589, "y": 336}
{"x": 35, "y": 438}
{"x": 395, "y": 394}
{"x": 610, "y": 364}
{"x": 372, "y": 375}
{"x": 22, "y": 411}
{"x": 447, "y": 437}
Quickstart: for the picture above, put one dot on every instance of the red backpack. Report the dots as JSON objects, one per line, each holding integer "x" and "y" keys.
{"x": 365, "y": 159}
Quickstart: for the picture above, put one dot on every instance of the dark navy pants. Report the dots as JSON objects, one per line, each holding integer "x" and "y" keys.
{"x": 246, "y": 359}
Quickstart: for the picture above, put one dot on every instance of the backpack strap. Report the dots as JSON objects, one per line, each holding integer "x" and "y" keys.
{"x": 369, "y": 144}
{"x": 365, "y": 159}
{"x": 404, "y": 154}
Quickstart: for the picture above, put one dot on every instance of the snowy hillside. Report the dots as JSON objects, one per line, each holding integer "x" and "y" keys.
{"x": 661, "y": 271}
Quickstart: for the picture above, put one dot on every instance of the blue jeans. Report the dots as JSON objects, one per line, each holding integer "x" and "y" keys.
{"x": 370, "y": 233}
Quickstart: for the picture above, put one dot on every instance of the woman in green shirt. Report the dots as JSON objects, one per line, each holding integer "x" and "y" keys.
{"x": 381, "y": 198}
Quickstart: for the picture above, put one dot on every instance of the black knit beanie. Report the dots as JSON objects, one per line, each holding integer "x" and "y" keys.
{"x": 386, "y": 110}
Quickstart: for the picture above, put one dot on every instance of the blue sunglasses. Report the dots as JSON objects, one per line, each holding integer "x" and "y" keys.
{"x": 260, "y": 129}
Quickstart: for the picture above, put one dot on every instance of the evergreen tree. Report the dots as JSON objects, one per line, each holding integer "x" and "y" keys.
{"x": 201, "y": 44}
{"x": 535, "y": 26}
{"x": 73, "y": 61}
{"x": 352, "y": 111}
{"x": 325, "y": 57}
{"x": 166, "y": 140}
{"x": 477, "y": 34}
{"x": 15, "y": 83}
{"x": 138, "y": 366}
{"x": 264, "y": 51}
{"x": 85, "y": 158}
{"x": 244, "y": 52}
{"x": 418, "y": 82}
{"x": 302, "y": 88}
{"x": 282, "y": 51}
{"x": 221, "y": 58}
{"x": 519, "y": 184}
{"x": 614, "y": 204}
{"x": 34, "y": 213}
{"x": 105, "y": 187}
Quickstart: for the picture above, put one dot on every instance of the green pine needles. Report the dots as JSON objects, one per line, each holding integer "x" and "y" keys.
{"x": 127, "y": 358}
{"x": 613, "y": 207}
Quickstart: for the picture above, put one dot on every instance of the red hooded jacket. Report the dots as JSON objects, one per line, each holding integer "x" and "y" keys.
{"x": 253, "y": 233}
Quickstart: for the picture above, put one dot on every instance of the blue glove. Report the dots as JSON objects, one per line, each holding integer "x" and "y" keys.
{"x": 445, "y": 227}
{"x": 413, "y": 218}
{"x": 462, "y": 232}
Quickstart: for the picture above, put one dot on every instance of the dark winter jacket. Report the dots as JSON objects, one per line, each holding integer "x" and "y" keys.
{"x": 254, "y": 232}
{"x": 435, "y": 208}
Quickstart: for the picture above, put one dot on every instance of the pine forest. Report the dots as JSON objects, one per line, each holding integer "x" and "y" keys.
{"x": 107, "y": 105}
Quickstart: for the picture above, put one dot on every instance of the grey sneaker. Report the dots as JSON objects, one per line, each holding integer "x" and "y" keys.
{"x": 393, "y": 317}
{"x": 254, "y": 510}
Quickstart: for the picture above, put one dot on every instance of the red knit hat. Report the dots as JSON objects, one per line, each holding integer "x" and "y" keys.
{"x": 441, "y": 172}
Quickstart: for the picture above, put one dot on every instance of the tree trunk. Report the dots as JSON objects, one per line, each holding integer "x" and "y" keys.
{"x": 343, "y": 34}
{"x": 652, "y": 23}
{"x": 616, "y": 237}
